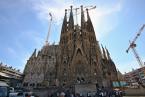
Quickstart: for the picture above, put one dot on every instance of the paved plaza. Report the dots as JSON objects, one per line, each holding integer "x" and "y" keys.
{"x": 133, "y": 92}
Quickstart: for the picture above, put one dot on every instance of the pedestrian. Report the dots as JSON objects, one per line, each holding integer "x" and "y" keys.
{"x": 62, "y": 94}
{"x": 88, "y": 94}
{"x": 77, "y": 95}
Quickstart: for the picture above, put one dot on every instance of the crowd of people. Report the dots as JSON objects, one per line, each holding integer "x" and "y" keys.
{"x": 100, "y": 92}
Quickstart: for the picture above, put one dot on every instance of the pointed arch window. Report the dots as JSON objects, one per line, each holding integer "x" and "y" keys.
{"x": 79, "y": 51}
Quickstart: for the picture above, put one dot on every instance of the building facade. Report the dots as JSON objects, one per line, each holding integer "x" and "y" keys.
{"x": 10, "y": 75}
{"x": 135, "y": 75}
{"x": 77, "y": 59}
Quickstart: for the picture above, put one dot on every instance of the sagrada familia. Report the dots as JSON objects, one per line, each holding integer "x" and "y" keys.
{"x": 77, "y": 59}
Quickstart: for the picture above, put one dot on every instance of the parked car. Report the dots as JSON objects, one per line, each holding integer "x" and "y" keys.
{"x": 22, "y": 94}
{"x": 4, "y": 89}
{"x": 16, "y": 94}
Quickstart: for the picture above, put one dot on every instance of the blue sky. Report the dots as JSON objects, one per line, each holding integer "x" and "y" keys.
{"x": 24, "y": 26}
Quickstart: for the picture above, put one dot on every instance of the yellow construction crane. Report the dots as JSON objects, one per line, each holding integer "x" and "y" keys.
{"x": 133, "y": 45}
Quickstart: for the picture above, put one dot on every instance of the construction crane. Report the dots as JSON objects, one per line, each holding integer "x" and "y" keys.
{"x": 76, "y": 11}
{"x": 46, "y": 42}
{"x": 133, "y": 45}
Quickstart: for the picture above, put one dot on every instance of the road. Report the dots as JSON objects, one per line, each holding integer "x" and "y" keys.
{"x": 133, "y": 96}
{"x": 135, "y": 92}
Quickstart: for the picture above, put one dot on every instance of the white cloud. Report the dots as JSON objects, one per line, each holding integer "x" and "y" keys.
{"x": 100, "y": 17}
{"x": 103, "y": 26}
{"x": 56, "y": 7}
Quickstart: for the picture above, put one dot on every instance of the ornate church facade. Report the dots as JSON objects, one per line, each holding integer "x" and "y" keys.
{"x": 77, "y": 59}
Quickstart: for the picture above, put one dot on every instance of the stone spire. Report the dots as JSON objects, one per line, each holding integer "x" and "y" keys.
{"x": 34, "y": 54}
{"x": 104, "y": 53}
{"x": 64, "y": 25}
{"x": 82, "y": 18}
{"x": 108, "y": 54}
{"x": 90, "y": 27}
{"x": 99, "y": 52}
{"x": 71, "y": 20}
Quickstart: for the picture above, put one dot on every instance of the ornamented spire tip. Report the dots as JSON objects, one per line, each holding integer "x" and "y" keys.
{"x": 65, "y": 11}
{"x": 71, "y": 7}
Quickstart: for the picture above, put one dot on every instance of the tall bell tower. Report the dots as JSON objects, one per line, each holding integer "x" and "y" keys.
{"x": 80, "y": 52}
{"x": 77, "y": 59}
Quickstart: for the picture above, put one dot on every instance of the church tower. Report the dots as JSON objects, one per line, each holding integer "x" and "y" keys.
{"x": 80, "y": 52}
{"x": 77, "y": 59}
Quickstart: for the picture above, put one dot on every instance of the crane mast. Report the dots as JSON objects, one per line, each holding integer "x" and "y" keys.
{"x": 76, "y": 13}
{"x": 46, "y": 42}
{"x": 136, "y": 55}
{"x": 133, "y": 45}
